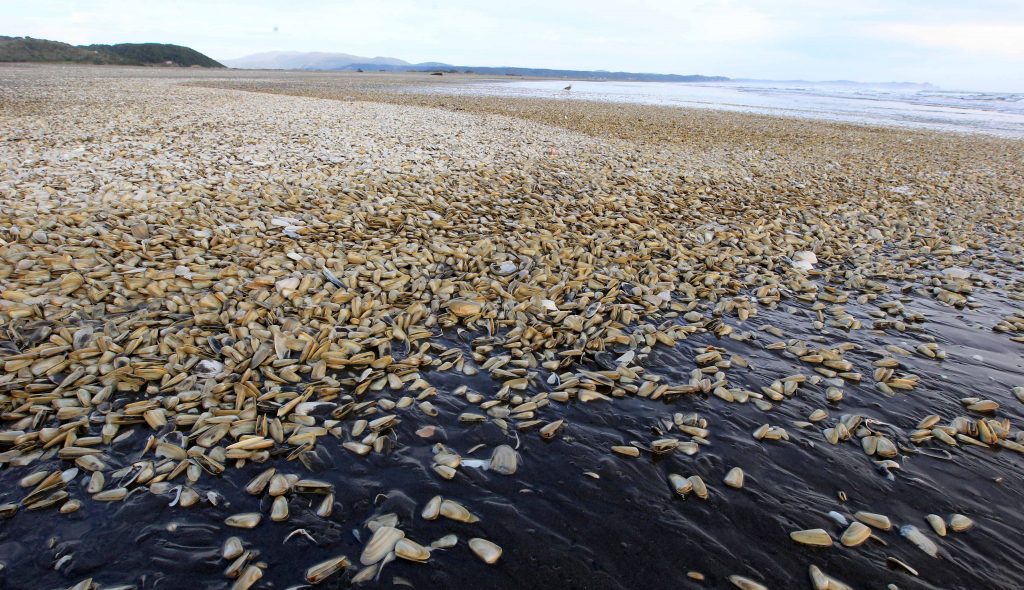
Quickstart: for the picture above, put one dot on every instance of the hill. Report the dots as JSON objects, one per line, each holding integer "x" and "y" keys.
{"x": 314, "y": 60}
{"x": 297, "y": 60}
{"x": 27, "y": 49}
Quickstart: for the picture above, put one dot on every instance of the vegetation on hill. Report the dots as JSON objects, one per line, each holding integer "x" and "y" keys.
{"x": 27, "y": 49}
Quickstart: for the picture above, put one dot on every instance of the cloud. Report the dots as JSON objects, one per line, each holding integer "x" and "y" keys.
{"x": 950, "y": 42}
{"x": 997, "y": 40}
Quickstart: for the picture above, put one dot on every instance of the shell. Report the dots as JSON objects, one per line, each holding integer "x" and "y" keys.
{"x": 248, "y": 578}
{"x": 680, "y": 484}
{"x": 279, "y": 509}
{"x": 258, "y": 484}
{"x": 445, "y": 542}
{"x": 878, "y": 521}
{"x": 487, "y": 551}
{"x": 855, "y": 534}
{"x": 325, "y": 569}
{"x": 464, "y": 308}
{"x": 938, "y": 525}
{"x": 918, "y": 538}
{"x": 244, "y": 520}
{"x": 746, "y": 583}
{"x": 815, "y": 537}
{"x": 382, "y": 543}
{"x": 411, "y": 550}
{"x": 432, "y": 509}
{"x": 458, "y": 512}
{"x": 232, "y": 548}
{"x": 549, "y": 430}
{"x": 959, "y": 523}
{"x": 504, "y": 460}
{"x": 734, "y": 478}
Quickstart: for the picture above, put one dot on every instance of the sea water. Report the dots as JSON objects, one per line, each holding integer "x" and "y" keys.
{"x": 902, "y": 105}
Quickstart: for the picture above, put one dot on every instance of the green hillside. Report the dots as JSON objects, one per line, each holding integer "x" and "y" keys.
{"x": 27, "y": 49}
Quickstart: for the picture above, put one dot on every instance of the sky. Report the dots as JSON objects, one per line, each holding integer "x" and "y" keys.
{"x": 957, "y": 45}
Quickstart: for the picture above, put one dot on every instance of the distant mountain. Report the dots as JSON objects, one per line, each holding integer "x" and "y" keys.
{"x": 574, "y": 74}
{"x": 27, "y": 49}
{"x": 296, "y": 60}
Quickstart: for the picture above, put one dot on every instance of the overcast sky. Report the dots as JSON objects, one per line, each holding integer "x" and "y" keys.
{"x": 961, "y": 44}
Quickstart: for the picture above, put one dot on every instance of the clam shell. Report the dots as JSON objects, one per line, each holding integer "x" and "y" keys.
{"x": 549, "y": 430}
{"x": 250, "y": 575}
{"x": 382, "y": 543}
{"x": 244, "y": 520}
{"x": 458, "y": 512}
{"x": 855, "y": 534}
{"x": 746, "y": 583}
{"x": 487, "y": 551}
{"x": 464, "y": 308}
{"x": 433, "y": 508}
{"x": 699, "y": 488}
{"x": 680, "y": 484}
{"x": 938, "y": 525}
{"x": 232, "y": 548}
{"x": 815, "y": 537}
{"x": 445, "y": 542}
{"x": 959, "y": 523}
{"x": 734, "y": 478}
{"x": 411, "y": 550}
{"x": 258, "y": 485}
{"x": 918, "y": 538}
{"x": 504, "y": 460}
{"x": 325, "y": 569}
{"x": 279, "y": 509}
{"x": 878, "y": 521}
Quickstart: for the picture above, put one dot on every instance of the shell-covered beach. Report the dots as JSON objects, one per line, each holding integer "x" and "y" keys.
{"x": 274, "y": 330}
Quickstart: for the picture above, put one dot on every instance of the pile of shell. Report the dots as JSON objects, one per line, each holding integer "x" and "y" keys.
{"x": 249, "y": 309}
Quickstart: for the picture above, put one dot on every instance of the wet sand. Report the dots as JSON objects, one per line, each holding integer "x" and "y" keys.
{"x": 639, "y": 273}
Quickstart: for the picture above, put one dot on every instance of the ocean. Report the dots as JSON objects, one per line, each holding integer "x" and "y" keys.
{"x": 915, "y": 106}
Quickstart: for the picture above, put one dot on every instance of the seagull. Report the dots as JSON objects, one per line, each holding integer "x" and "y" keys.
{"x": 569, "y": 87}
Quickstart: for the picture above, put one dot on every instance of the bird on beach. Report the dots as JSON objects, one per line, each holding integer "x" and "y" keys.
{"x": 569, "y": 87}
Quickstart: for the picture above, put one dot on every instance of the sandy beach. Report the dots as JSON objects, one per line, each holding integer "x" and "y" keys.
{"x": 267, "y": 329}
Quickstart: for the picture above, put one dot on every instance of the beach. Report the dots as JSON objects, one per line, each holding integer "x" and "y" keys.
{"x": 267, "y": 329}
